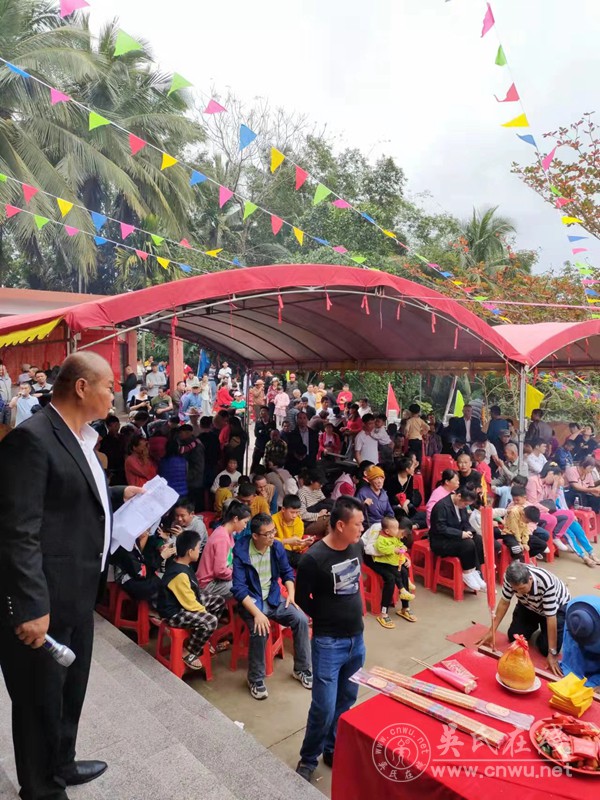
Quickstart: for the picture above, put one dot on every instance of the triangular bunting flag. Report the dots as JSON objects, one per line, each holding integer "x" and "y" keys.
{"x": 488, "y": 21}
{"x": 339, "y": 203}
{"x": 572, "y": 221}
{"x": 69, "y": 6}
{"x": 40, "y": 221}
{"x": 185, "y": 267}
{"x": 225, "y": 195}
{"x": 367, "y": 217}
{"x": 11, "y": 211}
{"x": 64, "y": 205}
{"x": 277, "y": 159}
{"x": 178, "y": 82}
{"x": 214, "y": 253}
{"x": 518, "y": 122}
{"x": 71, "y": 231}
{"x": 2, "y": 177}
{"x": 237, "y": 262}
{"x": 512, "y": 96}
{"x": 547, "y": 160}
{"x": 246, "y": 136}
{"x": 340, "y": 249}
{"x": 359, "y": 259}
{"x": 249, "y": 208}
{"x": 214, "y": 108}
{"x": 301, "y": 176}
{"x": 167, "y": 161}
{"x": 164, "y": 262}
{"x": 389, "y": 234}
{"x": 577, "y": 238}
{"x": 299, "y": 235}
{"x": 321, "y": 192}
{"x": 500, "y": 57}
{"x": 185, "y": 243}
{"x": 126, "y": 230}
{"x": 136, "y": 144}
{"x": 29, "y": 192}
{"x": 562, "y": 201}
{"x": 158, "y": 240}
{"x": 556, "y": 192}
{"x": 142, "y": 254}
{"x": 577, "y": 250}
{"x": 97, "y": 121}
{"x": 17, "y": 70}
{"x": 527, "y": 138}
{"x": 58, "y": 97}
{"x": 99, "y": 220}
{"x": 276, "y": 223}
{"x": 324, "y": 242}
{"x": 125, "y": 43}
{"x": 100, "y": 240}
{"x": 197, "y": 177}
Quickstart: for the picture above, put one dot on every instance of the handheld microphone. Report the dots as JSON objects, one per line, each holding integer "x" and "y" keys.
{"x": 59, "y": 652}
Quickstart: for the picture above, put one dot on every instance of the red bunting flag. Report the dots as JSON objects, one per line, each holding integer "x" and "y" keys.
{"x": 576, "y": 250}
{"x": 562, "y": 201}
{"x": 126, "y": 230}
{"x": 214, "y": 108}
{"x": 185, "y": 243}
{"x": 392, "y": 402}
{"x": 301, "y": 176}
{"x": 142, "y": 254}
{"x": 136, "y": 144}
{"x": 512, "y": 96}
{"x": 225, "y": 195}
{"x": 29, "y": 192}
{"x": 276, "y": 224}
{"x": 11, "y": 211}
{"x": 547, "y": 160}
{"x": 488, "y": 21}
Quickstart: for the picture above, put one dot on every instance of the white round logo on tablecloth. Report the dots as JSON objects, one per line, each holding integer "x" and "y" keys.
{"x": 401, "y": 752}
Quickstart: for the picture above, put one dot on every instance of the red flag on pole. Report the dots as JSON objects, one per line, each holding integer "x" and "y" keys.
{"x": 392, "y": 403}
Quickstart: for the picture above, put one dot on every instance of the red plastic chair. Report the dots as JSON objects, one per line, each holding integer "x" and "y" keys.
{"x": 426, "y": 466}
{"x": 440, "y": 463}
{"x": 506, "y": 559}
{"x": 169, "y": 651}
{"x": 422, "y": 561}
{"x": 241, "y": 640}
{"x": 373, "y": 588}
{"x": 133, "y": 615}
{"x": 227, "y": 629}
{"x": 108, "y": 605}
{"x": 208, "y": 517}
{"x": 418, "y": 484}
{"x": 589, "y": 523}
{"x": 448, "y": 573}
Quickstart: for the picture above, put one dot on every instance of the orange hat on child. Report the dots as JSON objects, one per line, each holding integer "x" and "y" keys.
{"x": 374, "y": 472}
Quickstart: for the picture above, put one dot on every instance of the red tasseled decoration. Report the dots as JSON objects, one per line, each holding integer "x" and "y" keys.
{"x": 456, "y": 338}
{"x": 328, "y": 302}
{"x": 365, "y": 304}
{"x": 433, "y": 321}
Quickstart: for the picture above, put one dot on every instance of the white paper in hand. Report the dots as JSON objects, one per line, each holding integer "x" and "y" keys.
{"x": 143, "y": 511}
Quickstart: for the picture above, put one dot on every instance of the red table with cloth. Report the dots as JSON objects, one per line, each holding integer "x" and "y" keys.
{"x": 387, "y": 750}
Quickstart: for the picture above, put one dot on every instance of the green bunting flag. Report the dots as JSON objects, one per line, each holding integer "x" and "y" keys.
{"x": 2, "y": 178}
{"x": 40, "y": 221}
{"x": 125, "y": 43}
{"x": 158, "y": 240}
{"x": 249, "y": 208}
{"x": 97, "y": 121}
{"x": 178, "y": 82}
{"x": 500, "y": 57}
{"x": 321, "y": 192}
{"x": 359, "y": 259}
{"x": 555, "y": 191}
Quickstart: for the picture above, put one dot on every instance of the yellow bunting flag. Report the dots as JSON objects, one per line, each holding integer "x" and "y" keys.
{"x": 533, "y": 399}
{"x": 167, "y": 161}
{"x": 64, "y": 205}
{"x": 299, "y": 235}
{"x": 213, "y": 253}
{"x": 518, "y": 122}
{"x": 572, "y": 221}
{"x": 277, "y": 159}
{"x": 164, "y": 262}
{"x": 391, "y": 234}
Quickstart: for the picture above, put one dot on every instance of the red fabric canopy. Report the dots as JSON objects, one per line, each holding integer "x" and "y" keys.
{"x": 556, "y": 345}
{"x": 316, "y": 315}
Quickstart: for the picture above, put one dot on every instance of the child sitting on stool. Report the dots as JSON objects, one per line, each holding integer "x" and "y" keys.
{"x": 391, "y": 562}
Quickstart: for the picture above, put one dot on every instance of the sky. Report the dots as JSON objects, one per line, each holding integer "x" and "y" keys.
{"x": 412, "y": 79}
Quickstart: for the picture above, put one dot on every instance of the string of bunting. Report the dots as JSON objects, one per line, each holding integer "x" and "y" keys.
{"x": 522, "y": 121}
{"x": 586, "y": 394}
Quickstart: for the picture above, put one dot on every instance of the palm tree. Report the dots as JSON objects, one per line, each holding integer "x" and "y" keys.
{"x": 51, "y": 147}
{"x": 484, "y": 237}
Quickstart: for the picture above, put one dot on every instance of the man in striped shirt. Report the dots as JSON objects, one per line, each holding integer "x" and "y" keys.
{"x": 541, "y": 602}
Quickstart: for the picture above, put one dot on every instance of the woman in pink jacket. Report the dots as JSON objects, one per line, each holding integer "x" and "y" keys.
{"x": 215, "y": 569}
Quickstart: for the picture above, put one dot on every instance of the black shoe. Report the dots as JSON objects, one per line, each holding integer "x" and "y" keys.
{"x": 328, "y": 758}
{"x": 304, "y": 771}
{"x": 83, "y": 772}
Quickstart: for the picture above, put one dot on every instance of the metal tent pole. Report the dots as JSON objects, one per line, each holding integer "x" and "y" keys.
{"x": 522, "y": 399}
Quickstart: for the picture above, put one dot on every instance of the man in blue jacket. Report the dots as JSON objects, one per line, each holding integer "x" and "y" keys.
{"x": 259, "y": 561}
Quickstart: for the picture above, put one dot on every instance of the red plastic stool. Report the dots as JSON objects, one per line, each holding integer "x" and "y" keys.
{"x": 373, "y": 584}
{"x": 108, "y": 605}
{"x": 241, "y": 640}
{"x": 448, "y": 573}
{"x": 227, "y": 629}
{"x": 587, "y": 520}
{"x": 169, "y": 651}
{"x": 419, "y": 485}
{"x": 552, "y": 551}
{"x": 422, "y": 560}
{"x": 440, "y": 462}
{"x": 506, "y": 559}
{"x": 426, "y": 466}
{"x": 140, "y": 623}
{"x": 208, "y": 517}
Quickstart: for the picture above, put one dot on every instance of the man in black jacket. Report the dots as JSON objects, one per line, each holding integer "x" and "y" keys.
{"x": 55, "y": 531}
{"x": 465, "y": 428}
{"x": 303, "y": 436}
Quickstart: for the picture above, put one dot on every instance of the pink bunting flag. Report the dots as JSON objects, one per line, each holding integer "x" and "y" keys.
{"x": 136, "y": 144}
{"x": 340, "y": 249}
{"x": 142, "y": 254}
{"x": 225, "y": 195}
{"x": 276, "y": 224}
{"x": 69, "y": 6}
{"x": 29, "y": 192}
{"x": 512, "y": 96}
{"x": 126, "y": 230}
{"x": 58, "y": 97}
{"x": 185, "y": 243}
{"x": 339, "y": 203}
{"x": 301, "y": 176}
{"x": 488, "y": 21}
{"x": 547, "y": 160}
{"x": 71, "y": 231}
{"x": 11, "y": 211}
{"x": 214, "y": 108}
{"x": 562, "y": 201}
{"x": 576, "y": 250}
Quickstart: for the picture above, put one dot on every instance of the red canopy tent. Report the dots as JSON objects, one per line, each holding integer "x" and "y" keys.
{"x": 556, "y": 345}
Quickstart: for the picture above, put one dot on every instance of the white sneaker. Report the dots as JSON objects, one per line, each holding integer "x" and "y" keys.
{"x": 482, "y": 583}
{"x": 560, "y": 545}
{"x": 471, "y": 581}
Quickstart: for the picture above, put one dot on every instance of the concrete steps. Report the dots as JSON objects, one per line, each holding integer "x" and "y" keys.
{"x": 161, "y": 739}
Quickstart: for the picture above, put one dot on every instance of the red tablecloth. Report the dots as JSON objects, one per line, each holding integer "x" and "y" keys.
{"x": 449, "y": 763}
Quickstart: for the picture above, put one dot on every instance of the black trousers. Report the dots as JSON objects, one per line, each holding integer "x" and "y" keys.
{"x": 46, "y": 705}
{"x": 469, "y": 551}
{"x": 145, "y": 589}
{"x": 526, "y": 622}
{"x": 392, "y": 577}
{"x": 536, "y": 546}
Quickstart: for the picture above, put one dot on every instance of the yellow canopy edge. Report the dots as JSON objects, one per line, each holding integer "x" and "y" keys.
{"x": 29, "y": 334}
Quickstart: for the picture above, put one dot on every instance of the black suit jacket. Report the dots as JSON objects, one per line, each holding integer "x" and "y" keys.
{"x": 294, "y": 441}
{"x": 51, "y": 524}
{"x": 444, "y": 523}
{"x": 458, "y": 429}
